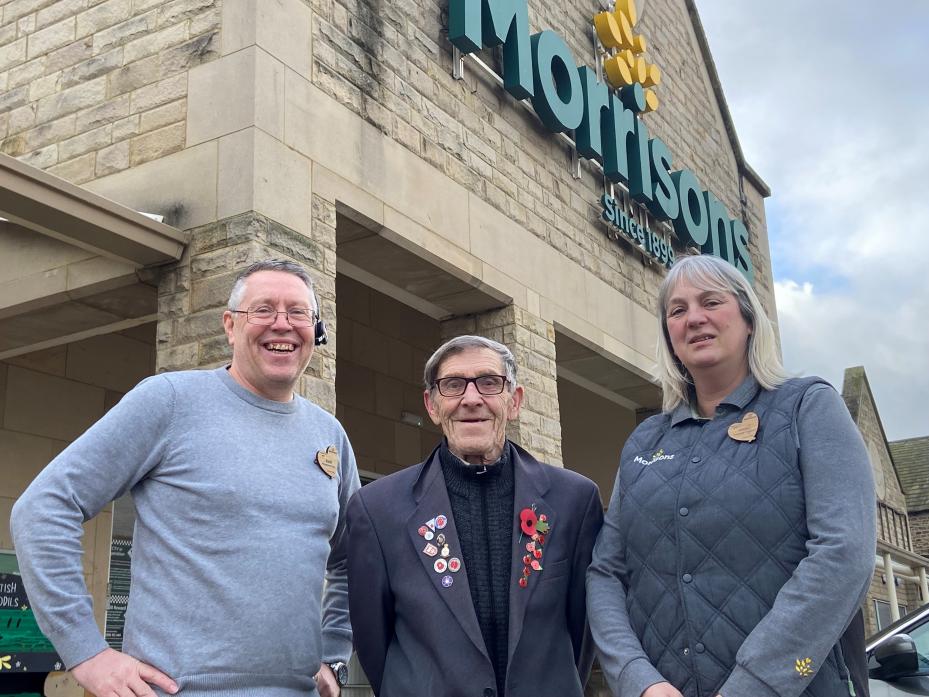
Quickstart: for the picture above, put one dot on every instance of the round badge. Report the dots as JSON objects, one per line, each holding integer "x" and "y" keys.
{"x": 428, "y": 535}
{"x": 447, "y": 581}
{"x": 454, "y": 564}
{"x": 441, "y": 521}
{"x": 422, "y": 530}
{"x": 440, "y": 566}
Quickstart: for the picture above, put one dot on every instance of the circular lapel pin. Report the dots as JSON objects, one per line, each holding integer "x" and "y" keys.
{"x": 454, "y": 564}
{"x": 447, "y": 581}
{"x": 422, "y": 530}
{"x": 441, "y": 521}
{"x": 429, "y": 535}
{"x": 440, "y": 566}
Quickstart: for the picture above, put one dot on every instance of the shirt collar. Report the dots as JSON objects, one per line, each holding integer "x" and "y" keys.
{"x": 738, "y": 398}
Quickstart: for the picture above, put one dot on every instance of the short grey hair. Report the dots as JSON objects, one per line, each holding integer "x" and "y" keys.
{"x": 708, "y": 272}
{"x": 464, "y": 343}
{"x": 284, "y": 265}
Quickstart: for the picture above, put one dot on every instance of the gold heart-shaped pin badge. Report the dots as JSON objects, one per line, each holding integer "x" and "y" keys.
{"x": 328, "y": 460}
{"x": 745, "y": 429}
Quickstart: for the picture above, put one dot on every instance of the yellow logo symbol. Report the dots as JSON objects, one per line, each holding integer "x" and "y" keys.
{"x": 804, "y": 666}
{"x": 626, "y": 66}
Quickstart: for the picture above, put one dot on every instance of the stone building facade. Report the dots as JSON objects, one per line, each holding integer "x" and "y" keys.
{"x": 347, "y": 135}
{"x": 911, "y": 458}
{"x": 899, "y": 584}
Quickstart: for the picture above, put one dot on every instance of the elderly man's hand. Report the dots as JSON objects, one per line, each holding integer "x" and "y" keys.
{"x": 326, "y": 682}
{"x": 113, "y": 673}
{"x": 662, "y": 689}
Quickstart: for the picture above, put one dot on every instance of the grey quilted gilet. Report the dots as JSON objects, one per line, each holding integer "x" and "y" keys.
{"x": 712, "y": 528}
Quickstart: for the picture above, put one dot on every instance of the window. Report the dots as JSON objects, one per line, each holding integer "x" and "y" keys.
{"x": 882, "y": 612}
{"x": 920, "y": 635}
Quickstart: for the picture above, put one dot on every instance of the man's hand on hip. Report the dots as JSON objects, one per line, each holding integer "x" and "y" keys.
{"x": 114, "y": 674}
{"x": 326, "y": 682}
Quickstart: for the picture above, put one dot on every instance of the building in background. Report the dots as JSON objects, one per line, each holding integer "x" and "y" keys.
{"x": 911, "y": 458}
{"x": 354, "y": 137}
{"x": 900, "y": 478}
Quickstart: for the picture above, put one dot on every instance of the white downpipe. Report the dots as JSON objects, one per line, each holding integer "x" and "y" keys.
{"x": 891, "y": 587}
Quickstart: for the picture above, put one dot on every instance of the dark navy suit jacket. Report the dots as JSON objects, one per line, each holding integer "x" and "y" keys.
{"x": 416, "y": 637}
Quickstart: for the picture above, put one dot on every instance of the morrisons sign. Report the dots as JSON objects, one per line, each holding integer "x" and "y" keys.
{"x": 605, "y": 118}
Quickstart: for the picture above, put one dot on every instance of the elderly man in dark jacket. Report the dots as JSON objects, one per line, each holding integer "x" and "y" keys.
{"x": 466, "y": 572}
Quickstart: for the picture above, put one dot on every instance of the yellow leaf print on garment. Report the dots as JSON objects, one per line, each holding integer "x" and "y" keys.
{"x": 804, "y": 666}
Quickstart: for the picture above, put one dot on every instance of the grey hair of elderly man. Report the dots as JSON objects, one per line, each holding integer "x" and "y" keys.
{"x": 464, "y": 343}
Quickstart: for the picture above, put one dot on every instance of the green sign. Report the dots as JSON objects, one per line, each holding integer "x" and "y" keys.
{"x": 607, "y": 127}
{"x": 655, "y": 245}
{"x": 23, "y": 647}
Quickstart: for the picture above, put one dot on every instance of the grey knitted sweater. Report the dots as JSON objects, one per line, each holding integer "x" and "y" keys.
{"x": 237, "y": 528}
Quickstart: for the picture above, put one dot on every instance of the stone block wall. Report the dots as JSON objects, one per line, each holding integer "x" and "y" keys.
{"x": 907, "y": 595}
{"x": 860, "y": 402}
{"x": 392, "y": 64}
{"x": 89, "y": 87}
{"x": 919, "y": 533}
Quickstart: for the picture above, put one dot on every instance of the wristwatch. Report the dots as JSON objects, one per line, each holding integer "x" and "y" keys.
{"x": 341, "y": 672}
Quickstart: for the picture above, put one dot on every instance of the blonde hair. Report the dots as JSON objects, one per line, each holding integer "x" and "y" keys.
{"x": 708, "y": 272}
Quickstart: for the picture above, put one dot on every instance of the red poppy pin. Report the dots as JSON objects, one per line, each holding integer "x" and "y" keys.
{"x": 534, "y": 526}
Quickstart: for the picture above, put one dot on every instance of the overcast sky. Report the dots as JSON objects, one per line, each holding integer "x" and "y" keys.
{"x": 831, "y": 105}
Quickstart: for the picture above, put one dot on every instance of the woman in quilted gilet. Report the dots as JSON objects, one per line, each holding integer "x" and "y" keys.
{"x": 740, "y": 537}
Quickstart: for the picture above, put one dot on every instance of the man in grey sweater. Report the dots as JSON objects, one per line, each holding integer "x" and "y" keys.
{"x": 240, "y": 487}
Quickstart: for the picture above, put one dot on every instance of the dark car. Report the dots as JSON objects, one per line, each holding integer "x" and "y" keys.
{"x": 898, "y": 657}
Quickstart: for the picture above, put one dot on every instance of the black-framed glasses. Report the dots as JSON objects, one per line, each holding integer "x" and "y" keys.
{"x": 486, "y": 384}
{"x": 266, "y": 316}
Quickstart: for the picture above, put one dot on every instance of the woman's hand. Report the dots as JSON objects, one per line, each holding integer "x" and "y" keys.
{"x": 662, "y": 689}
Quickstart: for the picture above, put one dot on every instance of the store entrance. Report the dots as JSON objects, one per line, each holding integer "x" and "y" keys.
{"x": 601, "y": 401}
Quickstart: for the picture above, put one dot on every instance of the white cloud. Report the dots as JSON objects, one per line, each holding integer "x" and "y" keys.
{"x": 825, "y": 333}
{"x": 830, "y": 106}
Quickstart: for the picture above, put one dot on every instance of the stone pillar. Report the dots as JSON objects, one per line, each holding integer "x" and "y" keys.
{"x": 193, "y": 293}
{"x": 891, "y": 586}
{"x": 532, "y": 341}
{"x": 923, "y": 585}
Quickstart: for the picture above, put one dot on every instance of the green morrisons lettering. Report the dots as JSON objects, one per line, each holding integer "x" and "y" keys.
{"x": 607, "y": 128}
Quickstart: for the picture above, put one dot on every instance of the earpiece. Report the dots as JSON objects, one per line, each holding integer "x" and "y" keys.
{"x": 319, "y": 329}
{"x": 319, "y": 333}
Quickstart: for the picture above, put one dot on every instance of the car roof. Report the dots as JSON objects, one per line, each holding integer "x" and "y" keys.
{"x": 898, "y": 627}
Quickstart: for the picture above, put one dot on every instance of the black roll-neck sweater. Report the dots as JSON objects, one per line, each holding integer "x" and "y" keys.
{"x": 481, "y": 497}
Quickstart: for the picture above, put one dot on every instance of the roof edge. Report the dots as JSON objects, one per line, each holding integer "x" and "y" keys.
{"x": 744, "y": 168}
{"x": 52, "y": 206}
